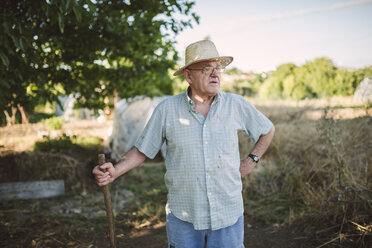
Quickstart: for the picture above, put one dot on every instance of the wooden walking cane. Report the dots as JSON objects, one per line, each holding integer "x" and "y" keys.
{"x": 106, "y": 194}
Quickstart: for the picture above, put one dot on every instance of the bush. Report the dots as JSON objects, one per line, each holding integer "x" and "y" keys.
{"x": 90, "y": 142}
{"x": 54, "y": 145}
{"x": 66, "y": 142}
{"x": 315, "y": 79}
{"x": 54, "y": 123}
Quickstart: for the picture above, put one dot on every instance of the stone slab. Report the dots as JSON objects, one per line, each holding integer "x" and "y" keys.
{"x": 31, "y": 190}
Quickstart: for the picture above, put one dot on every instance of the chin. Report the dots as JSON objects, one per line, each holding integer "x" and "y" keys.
{"x": 215, "y": 88}
{"x": 214, "y": 92}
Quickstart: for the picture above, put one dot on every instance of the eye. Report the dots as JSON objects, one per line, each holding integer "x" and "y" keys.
{"x": 208, "y": 69}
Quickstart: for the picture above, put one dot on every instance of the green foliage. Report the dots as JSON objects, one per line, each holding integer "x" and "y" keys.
{"x": 65, "y": 142}
{"x": 53, "y": 145}
{"x": 41, "y": 112}
{"x": 273, "y": 86}
{"x": 319, "y": 77}
{"x": 233, "y": 71}
{"x": 39, "y": 116}
{"x": 54, "y": 123}
{"x": 90, "y": 142}
{"x": 245, "y": 84}
{"x": 88, "y": 48}
{"x": 362, "y": 74}
{"x": 48, "y": 108}
{"x": 238, "y": 86}
{"x": 345, "y": 83}
{"x": 179, "y": 85}
{"x": 294, "y": 85}
{"x": 315, "y": 79}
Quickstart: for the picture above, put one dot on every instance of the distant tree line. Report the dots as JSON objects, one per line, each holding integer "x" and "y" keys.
{"x": 315, "y": 79}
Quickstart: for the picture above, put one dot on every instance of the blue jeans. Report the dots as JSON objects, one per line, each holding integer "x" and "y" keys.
{"x": 182, "y": 234}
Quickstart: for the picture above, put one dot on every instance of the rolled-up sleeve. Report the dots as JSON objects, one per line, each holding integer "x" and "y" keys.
{"x": 254, "y": 122}
{"x": 152, "y": 137}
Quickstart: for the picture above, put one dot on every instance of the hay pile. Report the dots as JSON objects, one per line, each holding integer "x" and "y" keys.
{"x": 34, "y": 166}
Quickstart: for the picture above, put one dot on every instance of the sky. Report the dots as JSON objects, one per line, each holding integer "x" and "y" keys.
{"x": 262, "y": 35}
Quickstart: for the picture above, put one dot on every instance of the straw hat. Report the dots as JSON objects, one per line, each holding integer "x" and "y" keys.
{"x": 203, "y": 50}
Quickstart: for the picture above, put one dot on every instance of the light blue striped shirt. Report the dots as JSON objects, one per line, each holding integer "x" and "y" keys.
{"x": 202, "y": 159}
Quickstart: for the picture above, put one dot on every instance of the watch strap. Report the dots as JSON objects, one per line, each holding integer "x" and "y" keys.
{"x": 255, "y": 158}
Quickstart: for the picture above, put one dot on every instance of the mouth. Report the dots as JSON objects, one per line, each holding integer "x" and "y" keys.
{"x": 213, "y": 82}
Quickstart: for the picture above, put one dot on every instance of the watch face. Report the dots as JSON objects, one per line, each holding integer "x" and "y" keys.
{"x": 254, "y": 157}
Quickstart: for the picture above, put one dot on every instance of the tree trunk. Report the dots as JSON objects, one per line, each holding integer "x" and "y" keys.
{"x": 10, "y": 119}
{"x": 24, "y": 115}
{"x": 14, "y": 112}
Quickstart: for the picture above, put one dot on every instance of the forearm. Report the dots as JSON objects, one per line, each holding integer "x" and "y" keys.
{"x": 246, "y": 165}
{"x": 263, "y": 143}
{"x": 132, "y": 159}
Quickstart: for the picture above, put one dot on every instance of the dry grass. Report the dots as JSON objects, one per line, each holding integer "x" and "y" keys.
{"x": 316, "y": 174}
{"x": 20, "y": 138}
{"x": 34, "y": 166}
{"x": 317, "y": 164}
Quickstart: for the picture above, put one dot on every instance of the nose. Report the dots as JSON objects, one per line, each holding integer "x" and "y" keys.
{"x": 214, "y": 73}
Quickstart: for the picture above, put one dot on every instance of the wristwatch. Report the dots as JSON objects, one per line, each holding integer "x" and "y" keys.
{"x": 254, "y": 157}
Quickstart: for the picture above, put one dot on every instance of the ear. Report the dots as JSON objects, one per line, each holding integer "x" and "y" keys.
{"x": 187, "y": 76}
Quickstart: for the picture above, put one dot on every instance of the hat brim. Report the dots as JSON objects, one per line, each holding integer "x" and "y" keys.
{"x": 225, "y": 61}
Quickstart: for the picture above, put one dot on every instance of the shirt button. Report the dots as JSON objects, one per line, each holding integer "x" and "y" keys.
{"x": 209, "y": 176}
{"x": 209, "y": 193}
{"x": 206, "y": 142}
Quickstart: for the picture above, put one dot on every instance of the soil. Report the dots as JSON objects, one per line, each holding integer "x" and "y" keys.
{"x": 60, "y": 222}
{"x": 77, "y": 219}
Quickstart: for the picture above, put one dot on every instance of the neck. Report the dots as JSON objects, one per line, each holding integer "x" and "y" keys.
{"x": 199, "y": 99}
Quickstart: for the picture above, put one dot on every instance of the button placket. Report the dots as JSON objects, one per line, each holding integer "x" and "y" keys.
{"x": 208, "y": 166}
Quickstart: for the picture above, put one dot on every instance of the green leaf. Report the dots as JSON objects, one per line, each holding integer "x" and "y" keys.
{"x": 20, "y": 29}
{"x": 47, "y": 11}
{"x": 15, "y": 42}
{"x": 5, "y": 59}
{"x": 67, "y": 5}
{"x": 6, "y": 27}
{"x": 77, "y": 13}
{"x": 101, "y": 32}
{"x": 61, "y": 24}
{"x": 22, "y": 44}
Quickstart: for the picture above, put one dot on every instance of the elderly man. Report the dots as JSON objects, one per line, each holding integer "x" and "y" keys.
{"x": 203, "y": 177}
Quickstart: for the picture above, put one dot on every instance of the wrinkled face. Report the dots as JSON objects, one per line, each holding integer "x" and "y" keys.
{"x": 202, "y": 81}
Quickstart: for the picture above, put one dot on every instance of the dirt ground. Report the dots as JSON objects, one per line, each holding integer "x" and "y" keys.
{"x": 77, "y": 219}
{"x": 70, "y": 222}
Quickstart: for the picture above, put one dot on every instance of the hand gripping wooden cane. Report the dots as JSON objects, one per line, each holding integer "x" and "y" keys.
{"x": 106, "y": 194}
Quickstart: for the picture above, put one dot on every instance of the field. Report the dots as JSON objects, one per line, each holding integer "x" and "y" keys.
{"x": 313, "y": 187}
